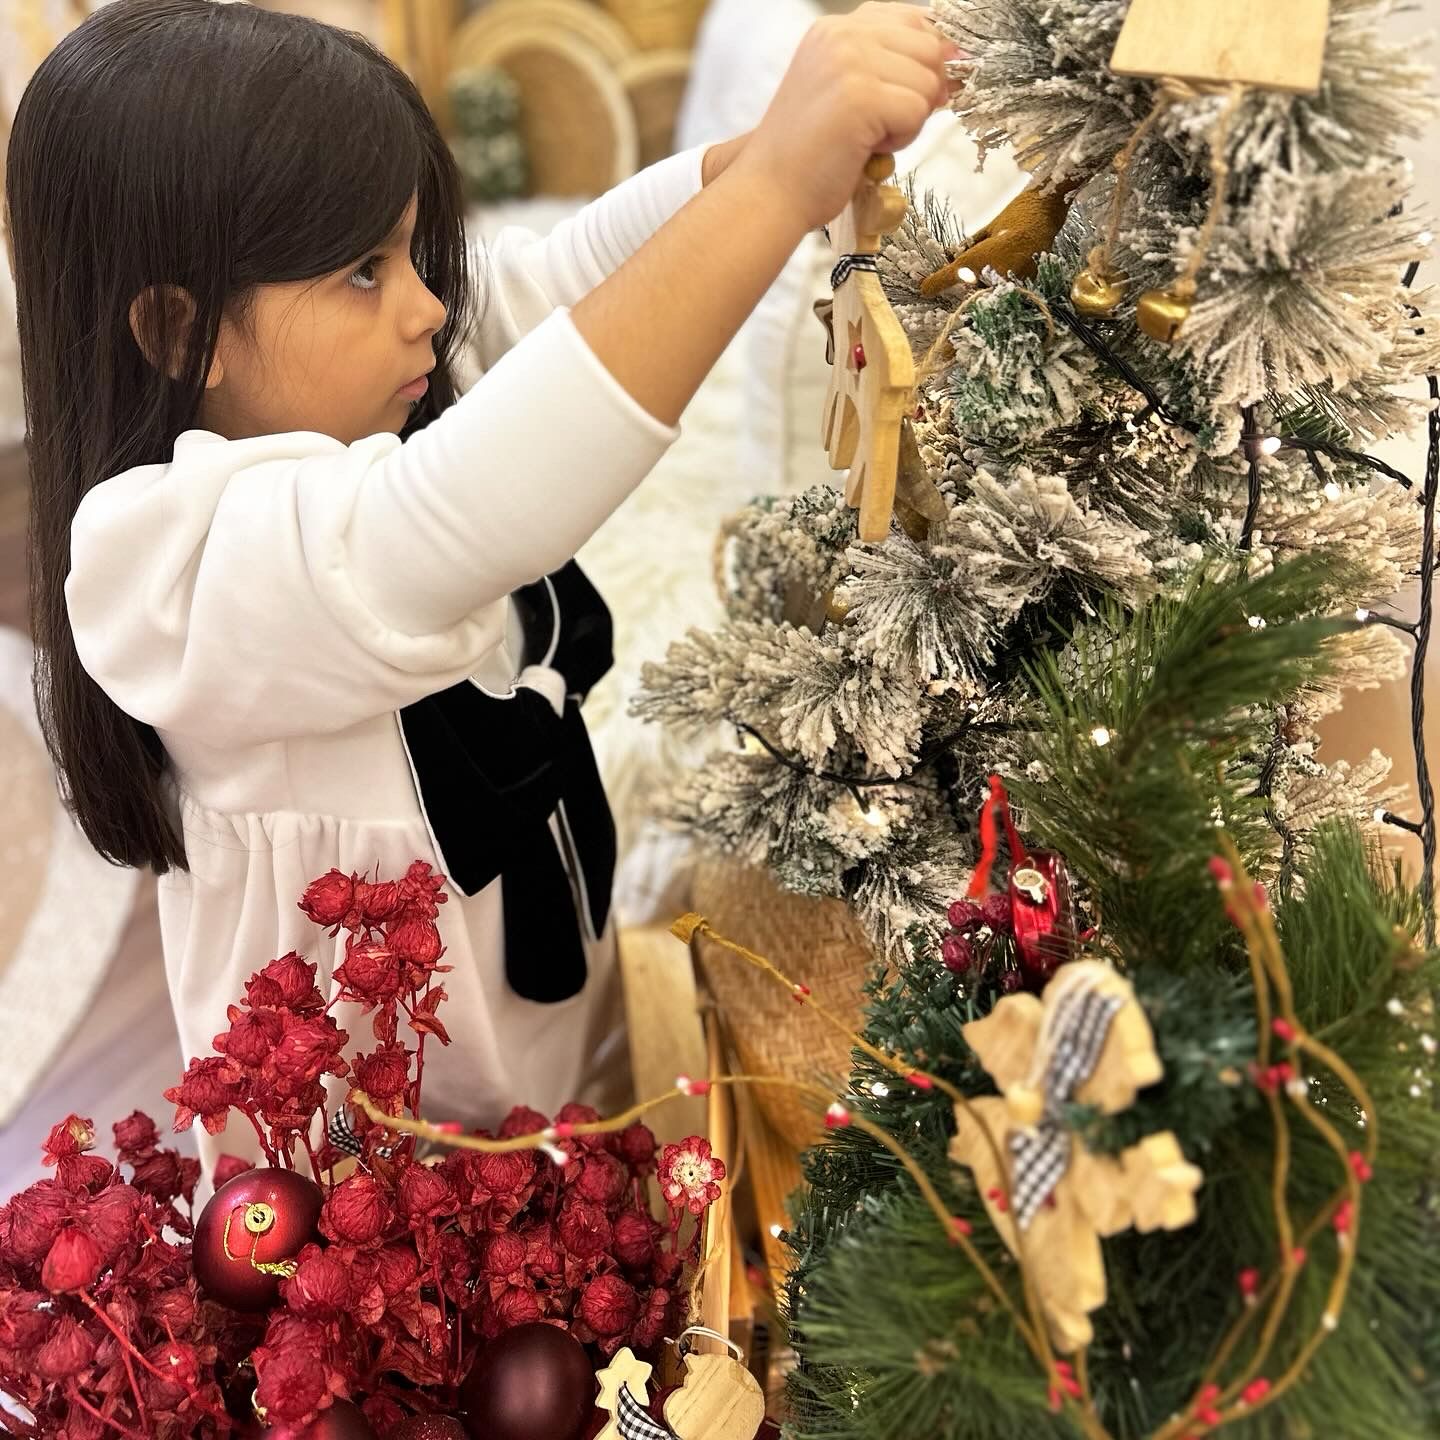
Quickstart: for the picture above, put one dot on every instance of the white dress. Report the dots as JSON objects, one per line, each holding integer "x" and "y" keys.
{"x": 270, "y": 604}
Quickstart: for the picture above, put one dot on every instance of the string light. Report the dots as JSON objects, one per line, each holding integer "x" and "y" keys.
{"x": 1332, "y": 490}
{"x": 1100, "y": 735}
{"x": 966, "y": 274}
{"x": 1270, "y": 445}
{"x": 1257, "y": 622}
{"x": 879, "y": 1089}
{"x": 873, "y": 816}
{"x": 1361, "y": 614}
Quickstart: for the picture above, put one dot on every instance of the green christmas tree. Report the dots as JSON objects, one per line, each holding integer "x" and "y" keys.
{"x": 1160, "y": 566}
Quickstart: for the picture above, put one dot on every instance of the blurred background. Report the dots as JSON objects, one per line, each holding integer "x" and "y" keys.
{"x": 546, "y": 103}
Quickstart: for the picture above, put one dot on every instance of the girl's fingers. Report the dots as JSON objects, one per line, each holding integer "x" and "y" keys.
{"x": 902, "y": 112}
{"x": 923, "y": 80}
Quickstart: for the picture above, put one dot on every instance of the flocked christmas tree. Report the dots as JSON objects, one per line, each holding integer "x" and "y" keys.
{"x": 1149, "y": 392}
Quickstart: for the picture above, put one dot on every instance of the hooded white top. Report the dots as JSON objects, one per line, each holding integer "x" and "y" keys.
{"x": 269, "y": 604}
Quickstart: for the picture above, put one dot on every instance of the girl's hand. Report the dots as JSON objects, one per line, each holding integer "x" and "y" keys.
{"x": 859, "y": 84}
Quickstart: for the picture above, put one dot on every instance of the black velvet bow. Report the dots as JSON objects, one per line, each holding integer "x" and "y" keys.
{"x": 491, "y": 772}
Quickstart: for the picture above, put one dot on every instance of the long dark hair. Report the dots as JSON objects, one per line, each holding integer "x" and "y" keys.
{"x": 214, "y": 147}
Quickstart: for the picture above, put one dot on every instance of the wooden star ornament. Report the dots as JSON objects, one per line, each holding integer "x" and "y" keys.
{"x": 872, "y": 382}
{"x": 625, "y": 1372}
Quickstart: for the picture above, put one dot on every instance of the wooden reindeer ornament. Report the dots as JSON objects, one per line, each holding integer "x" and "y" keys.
{"x": 872, "y": 380}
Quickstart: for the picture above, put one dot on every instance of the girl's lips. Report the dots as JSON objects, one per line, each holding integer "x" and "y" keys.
{"x": 415, "y": 389}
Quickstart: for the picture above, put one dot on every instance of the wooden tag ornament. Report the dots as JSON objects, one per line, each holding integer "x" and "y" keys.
{"x": 872, "y": 379}
{"x": 719, "y": 1399}
{"x": 1277, "y": 45}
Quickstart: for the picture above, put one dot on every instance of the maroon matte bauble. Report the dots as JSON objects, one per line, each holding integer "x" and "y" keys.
{"x": 428, "y": 1427}
{"x": 534, "y": 1382}
{"x": 342, "y": 1421}
{"x": 294, "y": 1202}
{"x": 1043, "y": 914}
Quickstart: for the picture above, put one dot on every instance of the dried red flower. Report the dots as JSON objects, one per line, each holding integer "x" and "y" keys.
{"x": 320, "y": 1286}
{"x": 210, "y": 1087}
{"x": 690, "y": 1175}
{"x": 384, "y": 1073}
{"x": 424, "y": 1193}
{"x": 633, "y": 1239}
{"x": 72, "y": 1263}
{"x": 358, "y": 1212}
{"x": 636, "y": 1145}
{"x": 370, "y": 973}
{"x": 584, "y": 1229}
{"x": 609, "y": 1305}
{"x": 329, "y": 901}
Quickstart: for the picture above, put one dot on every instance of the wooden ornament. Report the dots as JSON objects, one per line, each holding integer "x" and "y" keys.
{"x": 623, "y": 1372}
{"x": 719, "y": 1399}
{"x": 1279, "y": 45}
{"x": 872, "y": 379}
{"x": 1149, "y": 1186}
{"x": 1009, "y": 244}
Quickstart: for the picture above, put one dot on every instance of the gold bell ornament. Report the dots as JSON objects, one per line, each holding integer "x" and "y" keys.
{"x": 1097, "y": 289}
{"x": 1161, "y": 314}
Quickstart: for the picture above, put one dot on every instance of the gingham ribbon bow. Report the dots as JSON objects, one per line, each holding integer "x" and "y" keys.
{"x": 1041, "y": 1154}
{"x": 636, "y": 1422}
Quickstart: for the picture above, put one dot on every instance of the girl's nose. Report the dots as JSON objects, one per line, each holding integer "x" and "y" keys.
{"x": 425, "y": 311}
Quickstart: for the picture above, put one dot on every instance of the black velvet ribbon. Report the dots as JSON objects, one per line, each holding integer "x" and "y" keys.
{"x": 491, "y": 772}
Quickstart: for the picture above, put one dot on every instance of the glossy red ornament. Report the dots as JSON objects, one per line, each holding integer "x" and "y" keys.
{"x": 857, "y": 356}
{"x": 271, "y": 1215}
{"x": 428, "y": 1427}
{"x": 342, "y": 1421}
{"x": 534, "y": 1382}
{"x": 1043, "y": 915}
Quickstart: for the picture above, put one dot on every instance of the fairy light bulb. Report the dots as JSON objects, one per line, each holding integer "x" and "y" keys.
{"x": 967, "y": 275}
{"x": 879, "y": 1089}
{"x": 1361, "y": 614}
{"x": 1332, "y": 490}
{"x": 1100, "y": 735}
{"x": 1270, "y": 444}
{"x": 1257, "y": 622}
{"x": 873, "y": 816}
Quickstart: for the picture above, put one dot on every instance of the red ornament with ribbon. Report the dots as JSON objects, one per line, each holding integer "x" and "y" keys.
{"x": 1042, "y": 908}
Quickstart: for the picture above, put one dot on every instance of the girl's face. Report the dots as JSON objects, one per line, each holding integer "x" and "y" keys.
{"x": 336, "y": 356}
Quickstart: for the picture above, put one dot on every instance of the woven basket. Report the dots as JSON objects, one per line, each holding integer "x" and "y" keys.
{"x": 659, "y": 24}
{"x": 817, "y": 943}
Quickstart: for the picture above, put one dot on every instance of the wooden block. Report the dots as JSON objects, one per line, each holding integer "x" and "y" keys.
{"x": 715, "y": 1265}
{"x": 773, "y": 1166}
{"x": 1274, "y": 45}
{"x": 666, "y": 1037}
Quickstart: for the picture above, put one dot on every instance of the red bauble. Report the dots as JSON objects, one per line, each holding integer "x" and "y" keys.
{"x": 270, "y": 1235}
{"x": 428, "y": 1427}
{"x": 1043, "y": 914}
{"x": 342, "y": 1421}
{"x": 534, "y": 1382}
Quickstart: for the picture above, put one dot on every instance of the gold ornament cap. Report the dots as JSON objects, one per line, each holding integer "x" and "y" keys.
{"x": 1162, "y": 314}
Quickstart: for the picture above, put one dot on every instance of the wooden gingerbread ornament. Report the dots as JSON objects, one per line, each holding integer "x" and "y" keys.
{"x": 1087, "y": 1040}
{"x": 872, "y": 379}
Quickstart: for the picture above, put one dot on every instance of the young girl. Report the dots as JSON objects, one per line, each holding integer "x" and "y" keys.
{"x": 298, "y": 604}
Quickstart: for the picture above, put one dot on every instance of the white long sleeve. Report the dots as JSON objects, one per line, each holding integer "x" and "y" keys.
{"x": 284, "y": 585}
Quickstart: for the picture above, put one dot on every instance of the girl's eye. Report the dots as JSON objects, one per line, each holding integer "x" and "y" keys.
{"x": 364, "y": 276}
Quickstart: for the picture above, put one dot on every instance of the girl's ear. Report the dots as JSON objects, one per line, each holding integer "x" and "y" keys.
{"x": 160, "y": 320}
